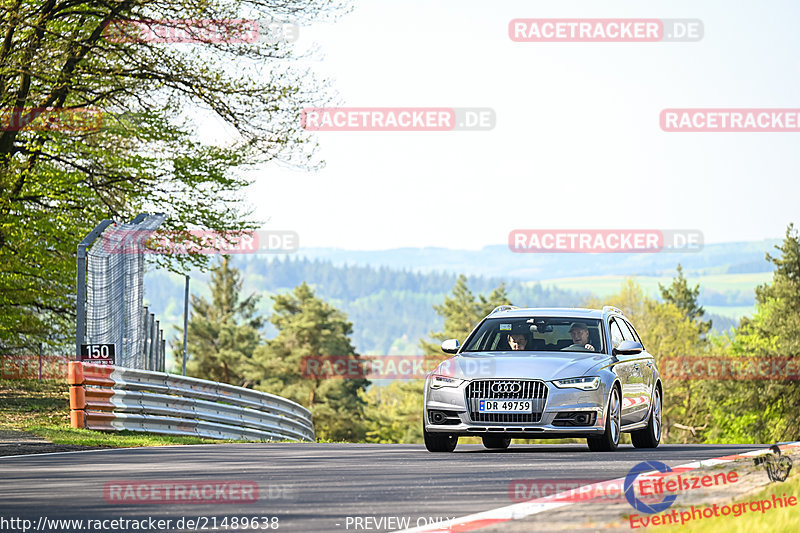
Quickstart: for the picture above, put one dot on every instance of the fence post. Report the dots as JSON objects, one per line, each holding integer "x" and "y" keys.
{"x": 185, "y": 320}
{"x": 140, "y": 363}
{"x": 156, "y": 345}
{"x": 152, "y": 336}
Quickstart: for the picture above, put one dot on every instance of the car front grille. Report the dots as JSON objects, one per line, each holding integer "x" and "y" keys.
{"x": 536, "y": 391}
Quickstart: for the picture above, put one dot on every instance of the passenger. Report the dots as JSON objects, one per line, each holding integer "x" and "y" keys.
{"x": 517, "y": 341}
{"x": 580, "y": 337}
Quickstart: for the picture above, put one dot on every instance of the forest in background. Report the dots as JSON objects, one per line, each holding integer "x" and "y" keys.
{"x": 391, "y": 309}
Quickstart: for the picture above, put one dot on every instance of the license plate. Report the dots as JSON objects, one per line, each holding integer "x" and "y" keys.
{"x": 504, "y": 406}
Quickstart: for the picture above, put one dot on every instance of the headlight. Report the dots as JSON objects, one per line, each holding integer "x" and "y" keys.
{"x": 438, "y": 382}
{"x": 589, "y": 383}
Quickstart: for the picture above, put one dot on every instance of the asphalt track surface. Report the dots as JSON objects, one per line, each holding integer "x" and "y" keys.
{"x": 309, "y": 487}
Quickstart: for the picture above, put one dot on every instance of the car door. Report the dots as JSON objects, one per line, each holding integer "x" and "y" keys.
{"x": 647, "y": 367}
{"x": 637, "y": 404}
{"x": 628, "y": 372}
{"x": 624, "y": 370}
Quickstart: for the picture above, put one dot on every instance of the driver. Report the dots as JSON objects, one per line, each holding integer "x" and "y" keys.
{"x": 580, "y": 337}
{"x": 517, "y": 341}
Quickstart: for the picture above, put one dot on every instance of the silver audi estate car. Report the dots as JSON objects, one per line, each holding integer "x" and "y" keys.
{"x": 545, "y": 373}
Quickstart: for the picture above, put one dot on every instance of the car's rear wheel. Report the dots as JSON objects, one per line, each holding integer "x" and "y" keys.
{"x": 609, "y": 440}
{"x": 650, "y": 436}
{"x": 439, "y": 442}
{"x": 496, "y": 443}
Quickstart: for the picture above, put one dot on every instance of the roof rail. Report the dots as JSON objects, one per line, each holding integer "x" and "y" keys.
{"x": 503, "y": 308}
{"x": 612, "y": 309}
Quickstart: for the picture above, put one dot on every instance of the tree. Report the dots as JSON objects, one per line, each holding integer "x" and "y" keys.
{"x": 223, "y": 333}
{"x": 778, "y": 302}
{"x": 139, "y": 150}
{"x": 766, "y": 411}
{"x": 685, "y": 299}
{"x": 462, "y": 312}
{"x": 309, "y": 327}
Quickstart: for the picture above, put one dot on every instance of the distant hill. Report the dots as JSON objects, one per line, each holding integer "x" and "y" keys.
{"x": 499, "y": 262}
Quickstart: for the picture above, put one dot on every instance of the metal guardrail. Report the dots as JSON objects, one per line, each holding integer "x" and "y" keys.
{"x": 110, "y": 398}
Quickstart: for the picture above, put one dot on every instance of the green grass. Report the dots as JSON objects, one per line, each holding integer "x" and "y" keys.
{"x": 28, "y": 403}
{"x": 42, "y": 408}
{"x": 121, "y": 439}
{"x": 781, "y": 520}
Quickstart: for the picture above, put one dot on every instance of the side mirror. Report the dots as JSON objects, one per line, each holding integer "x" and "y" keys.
{"x": 628, "y": 348}
{"x": 450, "y": 346}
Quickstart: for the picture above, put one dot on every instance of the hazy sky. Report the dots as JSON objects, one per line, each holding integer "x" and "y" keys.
{"x": 577, "y": 142}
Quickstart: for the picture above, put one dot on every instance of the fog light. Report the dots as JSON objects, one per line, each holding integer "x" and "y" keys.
{"x": 574, "y": 418}
{"x": 437, "y": 417}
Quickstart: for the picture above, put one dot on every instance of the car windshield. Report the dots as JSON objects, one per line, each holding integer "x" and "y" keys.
{"x": 538, "y": 334}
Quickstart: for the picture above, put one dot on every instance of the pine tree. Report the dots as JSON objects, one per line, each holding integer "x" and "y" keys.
{"x": 780, "y": 299}
{"x": 462, "y": 312}
{"x": 766, "y": 411}
{"x": 685, "y": 299}
{"x": 223, "y": 333}
{"x": 309, "y": 327}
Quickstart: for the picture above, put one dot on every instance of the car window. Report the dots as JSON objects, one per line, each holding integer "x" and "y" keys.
{"x": 616, "y": 334}
{"x": 537, "y": 334}
{"x": 626, "y": 332}
{"x": 633, "y": 331}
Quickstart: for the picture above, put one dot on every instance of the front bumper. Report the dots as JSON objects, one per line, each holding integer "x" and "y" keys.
{"x": 453, "y": 402}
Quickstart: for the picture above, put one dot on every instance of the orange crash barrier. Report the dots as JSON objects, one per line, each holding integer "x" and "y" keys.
{"x": 90, "y": 395}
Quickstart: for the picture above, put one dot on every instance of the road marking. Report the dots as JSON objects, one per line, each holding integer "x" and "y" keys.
{"x": 539, "y": 505}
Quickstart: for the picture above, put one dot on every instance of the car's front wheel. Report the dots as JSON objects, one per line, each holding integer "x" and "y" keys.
{"x": 439, "y": 442}
{"x": 609, "y": 440}
{"x": 496, "y": 443}
{"x": 650, "y": 436}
